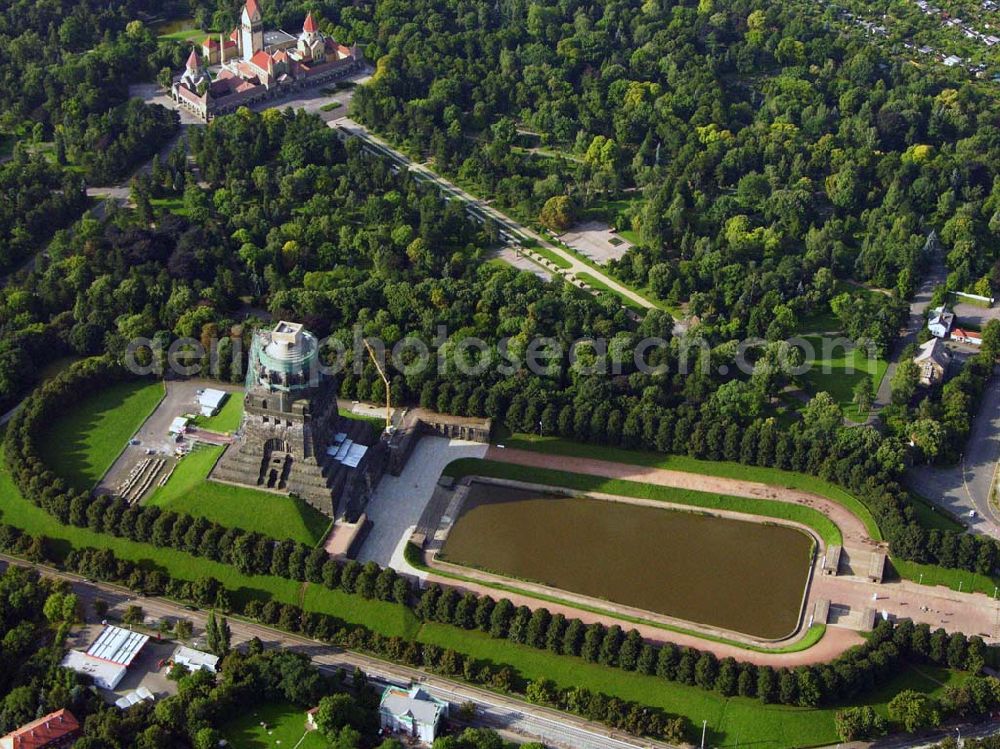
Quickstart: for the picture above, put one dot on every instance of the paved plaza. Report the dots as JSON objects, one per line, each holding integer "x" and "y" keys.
{"x": 597, "y": 241}
{"x": 399, "y": 501}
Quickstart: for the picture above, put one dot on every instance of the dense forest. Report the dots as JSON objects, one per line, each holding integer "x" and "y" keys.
{"x": 770, "y": 148}
{"x": 773, "y": 167}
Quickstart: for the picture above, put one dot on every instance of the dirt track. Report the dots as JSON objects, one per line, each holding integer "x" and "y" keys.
{"x": 937, "y": 606}
{"x": 850, "y": 526}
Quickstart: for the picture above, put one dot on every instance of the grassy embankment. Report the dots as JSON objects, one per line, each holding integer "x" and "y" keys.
{"x": 84, "y": 443}
{"x": 731, "y": 720}
{"x": 227, "y": 420}
{"x": 721, "y": 469}
{"x": 189, "y": 490}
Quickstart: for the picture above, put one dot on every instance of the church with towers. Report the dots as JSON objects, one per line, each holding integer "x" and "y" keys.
{"x": 252, "y": 64}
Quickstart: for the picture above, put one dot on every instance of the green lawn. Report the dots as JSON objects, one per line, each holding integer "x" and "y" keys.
{"x": 189, "y": 490}
{"x": 929, "y": 574}
{"x": 227, "y": 420}
{"x": 816, "y": 520}
{"x": 82, "y": 445}
{"x": 732, "y": 722}
{"x": 845, "y": 369}
{"x": 377, "y": 423}
{"x": 388, "y": 618}
{"x": 594, "y": 283}
{"x": 180, "y": 30}
{"x": 170, "y": 205}
{"x": 723, "y": 469}
{"x": 285, "y": 728}
{"x": 607, "y": 210}
{"x": 930, "y": 516}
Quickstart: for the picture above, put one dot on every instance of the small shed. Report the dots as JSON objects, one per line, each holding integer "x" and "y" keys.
{"x": 210, "y": 401}
{"x": 831, "y": 563}
{"x": 876, "y": 567}
{"x": 178, "y": 425}
{"x": 821, "y": 612}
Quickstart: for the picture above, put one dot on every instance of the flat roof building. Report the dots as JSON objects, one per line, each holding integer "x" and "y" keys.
{"x": 178, "y": 425}
{"x": 105, "y": 675}
{"x": 109, "y": 657}
{"x": 211, "y": 400}
{"x": 195, "y": 660}
{"x": 118, "y": 645}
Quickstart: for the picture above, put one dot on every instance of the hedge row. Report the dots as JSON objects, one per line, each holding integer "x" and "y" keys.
{"x": 852, "y": 673}
{"x": 627, "y": 716}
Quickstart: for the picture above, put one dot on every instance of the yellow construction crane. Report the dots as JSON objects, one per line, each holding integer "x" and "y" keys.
{"x": 388, "y": 394}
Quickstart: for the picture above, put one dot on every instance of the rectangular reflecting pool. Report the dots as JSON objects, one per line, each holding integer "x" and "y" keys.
{"x": 736, "y": 575}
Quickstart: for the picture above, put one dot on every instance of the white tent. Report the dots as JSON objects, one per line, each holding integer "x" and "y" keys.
{"x": 211, "y": 401}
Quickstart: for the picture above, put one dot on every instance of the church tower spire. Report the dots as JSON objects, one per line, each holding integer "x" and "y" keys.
{"x": 251, "y": 29}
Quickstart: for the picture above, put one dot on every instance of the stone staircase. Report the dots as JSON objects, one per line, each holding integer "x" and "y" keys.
{"x": 327, "y": 484}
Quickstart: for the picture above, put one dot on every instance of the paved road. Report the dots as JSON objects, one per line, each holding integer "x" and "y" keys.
{"x": 936, "y": 276}
{"x": 969, "y": 485}
{"x": 512, "y": 716}
{"x": 483, "y": 210}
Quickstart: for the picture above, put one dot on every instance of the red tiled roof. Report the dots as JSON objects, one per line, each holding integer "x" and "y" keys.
{"x": 310, "y": 24}
{"x": 44, "y": 731}
{"x": 185, "y": 93}
{"x": 211, "y": 42}
{"x": 229, "y": 44}
{"x": 262, "y": 60}
{"x": 234, "y": 35}
{"x": 281, "y": 56}
{"x": 193, "y": 63}
{"x": 252, "y": 9}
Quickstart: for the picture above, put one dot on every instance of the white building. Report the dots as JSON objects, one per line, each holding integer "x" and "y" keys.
{"x": 211, "y": 400}
{"x": 105, "y": 675}
{"x": 109, "y": 657}
{"x": 195, "y": 660}
{"x": 413, "y": 712}
{"x": 939, "y": 322}
{"x": 952, "y": 60}
{"x": 178, "y": 425}
{"x": 972, "y": 337}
